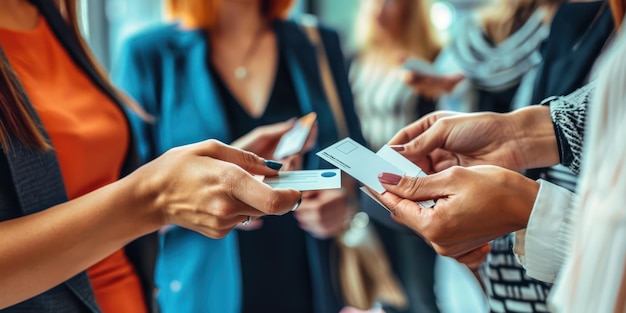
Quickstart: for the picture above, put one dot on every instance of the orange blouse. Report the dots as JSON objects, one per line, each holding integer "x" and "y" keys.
{"x": 90, "y": 137}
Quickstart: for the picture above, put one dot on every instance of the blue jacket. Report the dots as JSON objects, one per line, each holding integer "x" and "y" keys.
{"x": 165, "y": 70}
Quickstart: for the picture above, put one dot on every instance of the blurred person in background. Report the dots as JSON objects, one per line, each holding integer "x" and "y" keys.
{"x": 579, "y": 32}
{"x": 68, "y": 219}
{"x": 225, "y": 69}
{"x": 388, "y": 32}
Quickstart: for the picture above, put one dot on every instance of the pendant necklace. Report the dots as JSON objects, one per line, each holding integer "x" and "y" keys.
{"x": 241, "y": 71}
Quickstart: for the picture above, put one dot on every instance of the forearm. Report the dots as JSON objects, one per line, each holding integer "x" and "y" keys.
{"x": 39, "y": 251}
{"x": 534, "y": 134}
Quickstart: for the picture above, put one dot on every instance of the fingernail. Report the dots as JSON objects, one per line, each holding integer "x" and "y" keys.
{"x": 389, "y": 178}
{"x": 397, "y": 147}
{"x": 295, "y": 207}
{"x": 273, "y": 164}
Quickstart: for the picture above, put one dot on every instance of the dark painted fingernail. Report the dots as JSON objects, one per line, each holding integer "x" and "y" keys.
{"x": 295, "y": 207}
{"x": 273, "y": 164}
{"x": 397, "y": 147}
{"x": 389, "y": 178}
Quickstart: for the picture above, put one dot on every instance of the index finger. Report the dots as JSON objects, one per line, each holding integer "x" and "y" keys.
{"x": 244, "y": 159}
{"x": 423, "y": 136}
{"x": 417, "y": 128}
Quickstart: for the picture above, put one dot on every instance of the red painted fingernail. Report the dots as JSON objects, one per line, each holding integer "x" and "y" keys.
{"x": 397, "y": 147}
{"x": 389, "y": 178}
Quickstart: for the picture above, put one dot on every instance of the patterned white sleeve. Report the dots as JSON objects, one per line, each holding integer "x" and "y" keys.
{"x": 543, "y": 246}
{"x": 569, "y": 114}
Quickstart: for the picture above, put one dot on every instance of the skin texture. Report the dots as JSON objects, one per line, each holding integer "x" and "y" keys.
{"x": 465, "y": 217}
{"x": 517, "y": 141}
{"x": 207, "y": 187}
{"x": 471, "y": 196}
{"x": 191, "y": 186}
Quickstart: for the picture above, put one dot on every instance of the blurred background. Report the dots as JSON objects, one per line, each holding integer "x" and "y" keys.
{"x": 107, "y": 23}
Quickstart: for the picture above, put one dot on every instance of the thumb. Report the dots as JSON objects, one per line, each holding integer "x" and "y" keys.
{"x": 244, "y": 159}
{"x": 416, "y": 188}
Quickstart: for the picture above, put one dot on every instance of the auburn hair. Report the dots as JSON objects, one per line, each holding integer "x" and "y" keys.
{"x": 16, "y": 118}
{"x": 418, "y": 35}
{"x": 204, "y": 13}
{"x": 617, "y": 8}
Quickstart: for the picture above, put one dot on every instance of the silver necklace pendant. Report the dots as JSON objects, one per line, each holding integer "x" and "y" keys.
{"x": 241, "y": 72}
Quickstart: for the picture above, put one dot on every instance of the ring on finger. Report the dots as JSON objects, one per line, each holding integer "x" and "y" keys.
{"x": 247, "y": 221}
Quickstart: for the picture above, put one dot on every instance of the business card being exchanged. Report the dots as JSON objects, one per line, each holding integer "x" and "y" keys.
{"x": 365, "y": 165}
{"x": 305, "y": 180}
{"x": 293, "y": 141}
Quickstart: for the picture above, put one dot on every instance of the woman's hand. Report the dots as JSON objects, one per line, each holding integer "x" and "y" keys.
{"x": 323, "y": 212}
{"x": 264, "y": 139}
{"x": 474, "y": 206}
{"x": 517, "y": 141}
{"x": 431, "y": 86}
{"x": 208, "y": 187}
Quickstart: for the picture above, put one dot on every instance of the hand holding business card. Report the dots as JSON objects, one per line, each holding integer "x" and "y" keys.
{"x": 294, "y": 140}
{"x": 365, "y": 165}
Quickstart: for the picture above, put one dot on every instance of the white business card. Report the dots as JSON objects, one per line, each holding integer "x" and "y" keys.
{"x": 306, "y": 179}
{"x": 365, "y": 165}
{"x": 293, "y": 141}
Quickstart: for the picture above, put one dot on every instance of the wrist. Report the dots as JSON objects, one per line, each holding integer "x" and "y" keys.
{"x": 144, "y": 204}
{"x": 525, "y": 192}
{"x": 533, "y": 132}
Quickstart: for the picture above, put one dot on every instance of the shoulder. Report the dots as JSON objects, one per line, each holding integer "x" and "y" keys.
{"x": 153, "y": 38}
{"x": 299, "y": 23}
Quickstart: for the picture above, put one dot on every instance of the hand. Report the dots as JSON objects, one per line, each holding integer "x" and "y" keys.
{"x": 431, "y": 86}
{"x": 475, "y": 205}
{"x": 264, "y": 139}
{"x": 350, "y": 309}
{"x": 195, "y": 187}
{"x": 323, "y": 212}
{"x": 475, "y": 258}
{"x": 517, "y": 141}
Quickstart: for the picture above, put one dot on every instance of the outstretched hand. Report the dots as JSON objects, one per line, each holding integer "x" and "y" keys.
{"x": 474, "y": 206}
{"x": 209, "y": 187}
{"x": 517, "y": 141}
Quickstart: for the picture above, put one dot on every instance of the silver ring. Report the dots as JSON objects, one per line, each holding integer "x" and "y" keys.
{"x": 246, "y": 222}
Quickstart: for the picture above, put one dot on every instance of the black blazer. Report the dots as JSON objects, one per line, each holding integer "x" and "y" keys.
{"x": 31, "y": 181}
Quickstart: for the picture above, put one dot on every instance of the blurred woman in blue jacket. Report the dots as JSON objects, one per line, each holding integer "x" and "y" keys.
{"x": 222, "y": 70}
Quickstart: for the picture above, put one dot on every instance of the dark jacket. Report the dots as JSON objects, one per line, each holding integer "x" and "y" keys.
{"x": 166, "y": 70}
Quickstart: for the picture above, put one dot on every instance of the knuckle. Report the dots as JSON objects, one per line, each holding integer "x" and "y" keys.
{"x": 221, "y": 209}
{"x": 413, "y": 184}
{"x": 248, "y": 157}
{"x": 456, "y": 171}
{"x": 272, "y": 203}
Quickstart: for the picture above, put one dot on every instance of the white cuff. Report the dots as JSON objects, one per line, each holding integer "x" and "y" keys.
{"x": 545, "y": 244}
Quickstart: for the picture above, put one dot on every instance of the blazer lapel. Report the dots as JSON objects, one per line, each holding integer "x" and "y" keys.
{"x": 191, "y": 50}
{"x": 39, "y": 185}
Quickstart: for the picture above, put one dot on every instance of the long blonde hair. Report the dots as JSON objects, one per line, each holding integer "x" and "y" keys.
{"x": 418, "y": 37}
